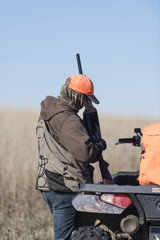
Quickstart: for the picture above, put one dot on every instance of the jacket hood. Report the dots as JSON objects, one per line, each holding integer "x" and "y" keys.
{"x": 52, "y": 106}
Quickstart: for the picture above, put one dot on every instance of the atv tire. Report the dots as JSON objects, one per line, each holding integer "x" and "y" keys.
{"x": 90, "y": 233}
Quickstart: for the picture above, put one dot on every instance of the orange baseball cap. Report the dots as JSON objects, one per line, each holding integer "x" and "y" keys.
{"x": 82, "y": 84}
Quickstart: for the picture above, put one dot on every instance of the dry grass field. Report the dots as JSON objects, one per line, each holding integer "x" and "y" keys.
{"x": 23, "y": 213}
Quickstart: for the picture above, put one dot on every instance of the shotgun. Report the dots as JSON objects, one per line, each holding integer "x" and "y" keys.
{"x": 90, "y": 116}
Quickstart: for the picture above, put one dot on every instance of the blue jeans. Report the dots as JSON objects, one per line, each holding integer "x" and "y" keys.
{"x": 65, "y": 217}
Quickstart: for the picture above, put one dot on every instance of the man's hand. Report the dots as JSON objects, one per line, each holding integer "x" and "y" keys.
{"x": 101, "y": 143}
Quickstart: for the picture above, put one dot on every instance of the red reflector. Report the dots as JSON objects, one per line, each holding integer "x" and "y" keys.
{"x": 122, "y": 201}
{"x": 119, "y": 200}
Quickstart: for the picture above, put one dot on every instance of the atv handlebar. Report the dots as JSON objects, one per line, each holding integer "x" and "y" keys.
{"x": 135, "y": 140}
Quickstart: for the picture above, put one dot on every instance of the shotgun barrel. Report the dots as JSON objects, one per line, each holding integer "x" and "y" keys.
{"x": 79, "y": 63}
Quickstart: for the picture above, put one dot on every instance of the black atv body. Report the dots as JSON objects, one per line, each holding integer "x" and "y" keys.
{"x": 124, "y": 210}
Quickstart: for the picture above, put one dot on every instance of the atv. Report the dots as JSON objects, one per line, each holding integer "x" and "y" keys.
{"x": 124, "y": 210}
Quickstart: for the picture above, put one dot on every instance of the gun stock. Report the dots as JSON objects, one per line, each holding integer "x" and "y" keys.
{"x": 91, "y": 117}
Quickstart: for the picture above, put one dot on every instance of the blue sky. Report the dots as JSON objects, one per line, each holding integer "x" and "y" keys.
{"x": 118, "y": 41}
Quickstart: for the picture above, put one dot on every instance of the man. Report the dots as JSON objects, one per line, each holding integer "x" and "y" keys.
{"x": 65, "y": 150}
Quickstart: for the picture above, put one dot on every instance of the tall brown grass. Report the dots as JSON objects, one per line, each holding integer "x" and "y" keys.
{"x": 23, "y": 213}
